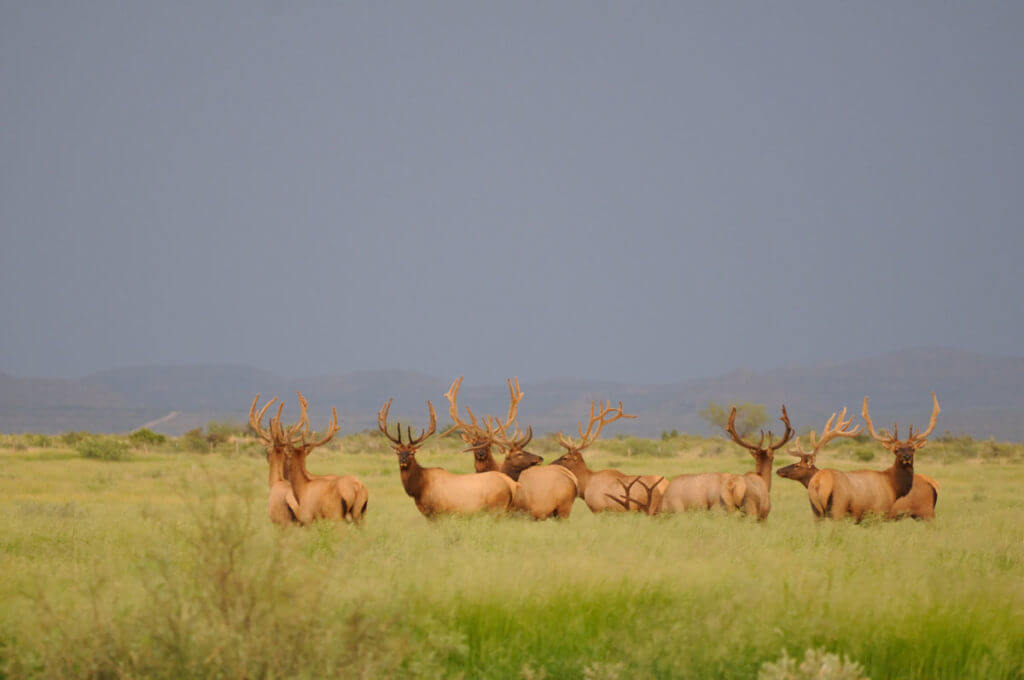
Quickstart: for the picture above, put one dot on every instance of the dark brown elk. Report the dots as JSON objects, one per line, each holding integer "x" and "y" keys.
{"x": 749, "y": 493}
{"x": 282, "y": 505}
{"x": 597, "y": 488}
{"x": 437, "y": 491}
{"x": 839, "y": 494}
{"x": 321, "y": 496}
{"x": 838, "y": 425}
{"x": 480, "y": 436}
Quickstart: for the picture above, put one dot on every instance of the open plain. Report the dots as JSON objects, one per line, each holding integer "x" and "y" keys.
{"x": 165, "y": 565}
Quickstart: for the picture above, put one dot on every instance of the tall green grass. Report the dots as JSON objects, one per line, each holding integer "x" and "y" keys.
{"x": 165, "y": 566}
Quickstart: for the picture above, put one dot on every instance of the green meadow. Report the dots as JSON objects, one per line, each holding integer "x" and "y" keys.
{"x": 164, "y": 565}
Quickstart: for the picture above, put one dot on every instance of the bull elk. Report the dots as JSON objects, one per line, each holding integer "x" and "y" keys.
{"x": 322, "y": 496}
{"x": 480, "y": 437}
{"x": 544, "y": 490}
{"x": 838, "y": 425}
{"x": 282, "y": 505}
{"x": 839, "y": 494}
{"x": 437, "y": 491}
{"x": 598, "y": 488}
{"x": 749, "y": 493}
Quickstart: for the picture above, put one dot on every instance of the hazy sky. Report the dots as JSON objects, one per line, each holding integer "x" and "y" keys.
{"x": 634, "y": 191}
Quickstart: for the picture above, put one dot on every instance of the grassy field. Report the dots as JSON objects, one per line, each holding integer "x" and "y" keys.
{"x": 164, "y": 565}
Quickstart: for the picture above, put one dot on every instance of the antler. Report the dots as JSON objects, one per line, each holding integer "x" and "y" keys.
{"x": 332, "y": 427}
{"x": 916, "y": 440}
{"x": 491, "y": 426}
{"x": 414, "y": 442}
{"x": 730, "y": 428}
{"x": 838, "y": 425}
{"x": 516, "y": 442}
{"x": 606, "y": 416}
{"x": 920, "y": 439}
{"x": 626, "y": 499}
{"x": 256, "y": 421}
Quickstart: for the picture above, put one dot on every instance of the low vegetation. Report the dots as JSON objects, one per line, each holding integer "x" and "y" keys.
{"x": 165, "y": 565}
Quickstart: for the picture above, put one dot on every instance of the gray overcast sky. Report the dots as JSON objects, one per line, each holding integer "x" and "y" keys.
{"x": 634, "y": 191}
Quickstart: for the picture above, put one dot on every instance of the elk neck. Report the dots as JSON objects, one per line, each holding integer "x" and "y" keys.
{"x": 763, "y": 468}
{"x": 413, "y": 479}
{"x": 297, "y": 472}
{"x": 276, "y": 468}
{"x": 901, "y": 477}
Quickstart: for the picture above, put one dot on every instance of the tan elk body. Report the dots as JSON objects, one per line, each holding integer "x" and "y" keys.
{"x": 320, "y": 494}
{"x": 437, "y": 491}
{"x": 544, "y": 491}
{"x": 837, "y": 494}
{"x": 282, "y": 505}
{"x": 749, "y": 493}
{"x": 600, "y": 489}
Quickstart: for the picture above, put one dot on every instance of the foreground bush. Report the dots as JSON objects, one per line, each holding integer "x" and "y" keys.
{"x": 102, "y": 449}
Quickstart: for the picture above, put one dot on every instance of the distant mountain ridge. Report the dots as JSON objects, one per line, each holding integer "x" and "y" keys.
{"x": 981, "y": 395}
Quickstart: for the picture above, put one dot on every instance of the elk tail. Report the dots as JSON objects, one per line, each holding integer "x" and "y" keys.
{"x": 819, "y": 489}
{"x": 733, "y": 490}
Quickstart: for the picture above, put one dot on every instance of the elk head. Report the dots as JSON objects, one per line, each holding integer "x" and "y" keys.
{"x": 406, "y": 450}
{"x": 517, "y": 458}
{"x": 762, "y": 454}
{"x": 904, "y": 449}
{"x": 803, "y": 470}
{"x": 573, "y": 458}
{"x": 480, "y": 437}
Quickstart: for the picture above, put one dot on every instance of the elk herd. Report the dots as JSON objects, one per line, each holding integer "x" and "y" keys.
{"x": 520, "y": 484}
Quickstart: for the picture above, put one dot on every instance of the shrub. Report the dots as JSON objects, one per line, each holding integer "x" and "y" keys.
{"x": 39, "y": 441}
{"x": 102, "y": 449}
{"x": 146, "y": 437}
{"x": 863, "y": 454}
{"x": 817, "y": 665}
{"x": 193, "y": 440}
{"x": 72, "y": 437}
{"x": 749, "y": 417}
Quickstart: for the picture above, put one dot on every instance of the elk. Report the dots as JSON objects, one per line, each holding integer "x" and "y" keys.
{"x": 480, "y": 438}
{"x": 437, "y": 491}
{"x": 282, "y": 505}
{"x": 596, "y": 487}
{"x": 838, "y": 494}
{"x": 838, "y": 425}
{"x": 322, "y": 496}
{"x": 749, "y": 493}
{"x": 544, "y": 490}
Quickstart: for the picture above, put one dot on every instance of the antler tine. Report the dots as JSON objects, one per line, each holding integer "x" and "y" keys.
{"x": 650, "y": 493}
{"x": 798, "y": 450}
{"x": 256, "y": 421}
{"x": 730, "y": 429}
{"x": 332, "y": 429}
{"x": 624, "y": 501}
{"x": 303, "y": 421}
{"x": 607, "y": 416}
{"x": 382, "y": 423}
{"x": 427, "y": 432}
{"x": 786, "y": 436}
{"x": 886, "y": 441}
{"x": 920, "y": 439}
{"x": 515, "y": 395}
{"x": 838, "y": 425}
